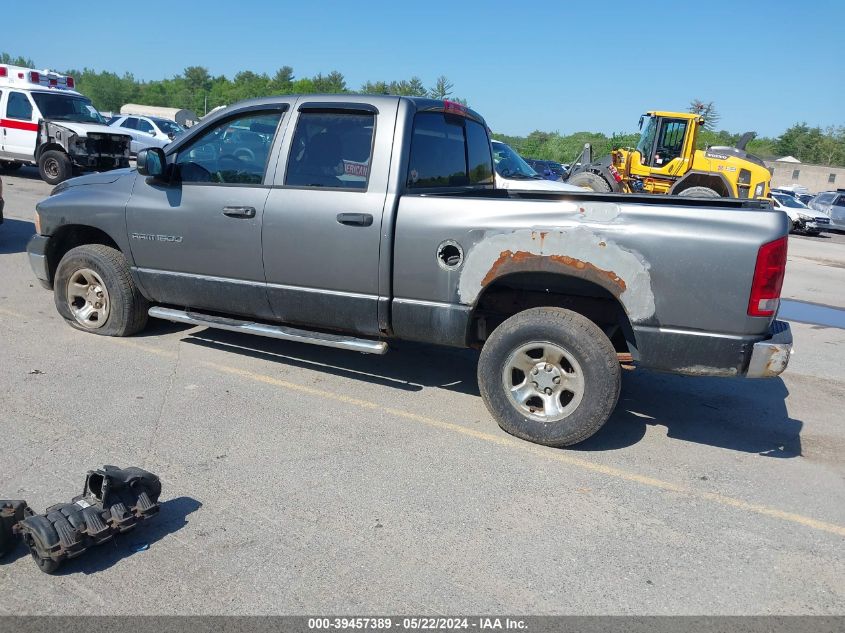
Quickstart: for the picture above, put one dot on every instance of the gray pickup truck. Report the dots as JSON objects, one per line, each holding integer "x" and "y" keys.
{"x": 348, "y": 221}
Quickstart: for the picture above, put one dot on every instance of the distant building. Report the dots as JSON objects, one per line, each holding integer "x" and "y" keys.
{"x": 789, "y": 170}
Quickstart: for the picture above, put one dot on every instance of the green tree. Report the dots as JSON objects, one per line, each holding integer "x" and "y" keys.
{"x": 707, "y": 109}
{"x": 5, "y": 58}
{"x": 442, "y": 88}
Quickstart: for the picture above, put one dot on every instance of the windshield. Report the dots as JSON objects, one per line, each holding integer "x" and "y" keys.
{"x": 509, "y": 164}
{"x": 168, "y": 127}
{"x": 646, "y": 141}
{"x": 62, "y": 107}
{"x": 789, "y": 201}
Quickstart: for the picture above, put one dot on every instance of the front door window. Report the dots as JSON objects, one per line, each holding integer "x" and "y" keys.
{"x": 234, "y": 151}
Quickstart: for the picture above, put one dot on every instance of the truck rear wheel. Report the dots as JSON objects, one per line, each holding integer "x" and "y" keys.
{"x": 550, "y": 376}
{"x": 54, "y": 167}
{"x": 700, "y": 192}
{"x": 94, "y": 292}
{"x": 589, "y": 180}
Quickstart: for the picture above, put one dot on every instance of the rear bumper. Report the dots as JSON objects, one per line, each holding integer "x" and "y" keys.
{"x": 770, "y": 357}
{"x": 36, "y": 251}
{"x": 696, "y": 353}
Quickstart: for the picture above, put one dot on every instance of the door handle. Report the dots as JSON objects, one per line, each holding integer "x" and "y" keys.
{"x": 355, "y": 219}
{"x": 239, "y": 212}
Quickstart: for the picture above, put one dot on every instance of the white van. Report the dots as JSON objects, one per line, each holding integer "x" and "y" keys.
{"x": 45, "y": 122}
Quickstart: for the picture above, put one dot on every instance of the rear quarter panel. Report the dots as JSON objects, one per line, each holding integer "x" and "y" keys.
{"x": 685, "y": 267}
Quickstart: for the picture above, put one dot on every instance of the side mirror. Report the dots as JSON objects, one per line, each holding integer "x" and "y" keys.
{"x": 151, "y": 162}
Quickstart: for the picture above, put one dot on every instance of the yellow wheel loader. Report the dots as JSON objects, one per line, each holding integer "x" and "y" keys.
{"x": 665, "y": 161}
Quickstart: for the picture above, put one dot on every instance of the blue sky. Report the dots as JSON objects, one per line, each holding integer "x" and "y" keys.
{"x": 551, "y": 65}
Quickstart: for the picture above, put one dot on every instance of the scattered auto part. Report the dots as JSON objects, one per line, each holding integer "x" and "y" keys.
{"x": 11, "y": 512}
{"x": 113, "y": 501}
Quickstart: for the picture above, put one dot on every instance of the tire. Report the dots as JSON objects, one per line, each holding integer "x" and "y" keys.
{"x": 589, "y": 180}
{"x": 103, "y": 299}
{"x": 581, "y": 400}
{"x": 700, "y": 192}
{"x": 10, "y": 165}
{"x": 54, "y": 167}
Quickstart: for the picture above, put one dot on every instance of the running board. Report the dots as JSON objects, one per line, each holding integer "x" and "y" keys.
{"x": 283, "y": 332}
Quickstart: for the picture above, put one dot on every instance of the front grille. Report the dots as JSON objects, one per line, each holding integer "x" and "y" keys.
{"x": 106, "y": 144}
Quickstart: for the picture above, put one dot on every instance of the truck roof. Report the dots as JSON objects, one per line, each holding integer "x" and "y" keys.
{"x": 420, "y": 104}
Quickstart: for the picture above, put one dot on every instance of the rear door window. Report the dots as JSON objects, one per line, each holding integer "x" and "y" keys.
{"x": 145, "y": 126}
{"x": 448, "y": 151}
{"x": 130, "y": 123}
{"x": 331, "y": 149}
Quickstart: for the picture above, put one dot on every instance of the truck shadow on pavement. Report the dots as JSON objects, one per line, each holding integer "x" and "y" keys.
{"x": 408, "y": 366}
{"x": 744, "y": 415}
{"x": 171, "y": 518}
{"x": 14, "y": 234}
{"x": 738, "y": 414}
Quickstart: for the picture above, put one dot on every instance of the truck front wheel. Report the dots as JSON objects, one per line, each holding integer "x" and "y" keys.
{"x": 54, "y": 167}
{"x": 550, "y": 376}
{"x": 94, "y": 292}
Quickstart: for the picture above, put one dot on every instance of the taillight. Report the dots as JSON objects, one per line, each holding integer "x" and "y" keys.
{"x": 69, "y": 82}
{"x": 768, "y": 279}
{"x": 34, "y": 77}
{"x": 454, "y": 108}
{"x": 4, "y": 72}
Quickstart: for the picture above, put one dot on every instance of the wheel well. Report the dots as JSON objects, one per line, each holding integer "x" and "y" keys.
{"x": 521, "y": 291}
{"x": 716, "y": 183}
{"x": 47, "y": 147}
{"x": 71, "y": 236}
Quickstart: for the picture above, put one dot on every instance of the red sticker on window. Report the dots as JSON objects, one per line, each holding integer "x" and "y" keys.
{"x": 356, "y": 169}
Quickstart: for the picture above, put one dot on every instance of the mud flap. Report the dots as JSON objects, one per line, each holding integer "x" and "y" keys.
{"x": 114, "y": 501}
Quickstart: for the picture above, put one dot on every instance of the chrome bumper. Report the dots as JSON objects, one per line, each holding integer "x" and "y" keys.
{"x": 770, "y": 357}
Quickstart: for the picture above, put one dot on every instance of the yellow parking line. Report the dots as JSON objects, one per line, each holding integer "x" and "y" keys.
{"x": 547, "y": 453}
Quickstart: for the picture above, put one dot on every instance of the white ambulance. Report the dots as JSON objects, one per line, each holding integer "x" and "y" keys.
{"x": 45, "y": 122}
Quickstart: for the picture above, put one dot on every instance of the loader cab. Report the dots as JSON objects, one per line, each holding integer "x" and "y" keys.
{"x": 666, "y": 145}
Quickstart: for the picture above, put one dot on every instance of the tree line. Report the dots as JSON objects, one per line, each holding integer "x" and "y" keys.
{"x": 196, "y": 89}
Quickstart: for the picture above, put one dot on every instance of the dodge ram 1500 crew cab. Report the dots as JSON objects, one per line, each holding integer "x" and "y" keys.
{"x": 349, "y": 221}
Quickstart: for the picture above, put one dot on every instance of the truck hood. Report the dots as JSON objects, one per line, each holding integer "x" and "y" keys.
{"x": 534, "y": 185}
{"x": 95, "y": 178}
{"x": 83, "y": 129}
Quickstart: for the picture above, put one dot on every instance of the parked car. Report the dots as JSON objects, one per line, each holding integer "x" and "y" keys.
{"x": 147, "y": 131}
{"x": 805, "y": 198}
{"x": 363, "y": 219}
{"x": 512, "y": 172}
{"x": 832, "y": 204}
{"x": 546, "y": 168}
{"x": 804, "y": 219}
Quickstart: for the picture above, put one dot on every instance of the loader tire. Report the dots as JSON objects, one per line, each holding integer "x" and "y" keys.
{"x": 591, "y": 181}
{"x": 700, "y": 192}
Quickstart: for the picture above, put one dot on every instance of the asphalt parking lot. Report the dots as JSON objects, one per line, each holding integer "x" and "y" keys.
{"x": 306, "y": 480}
